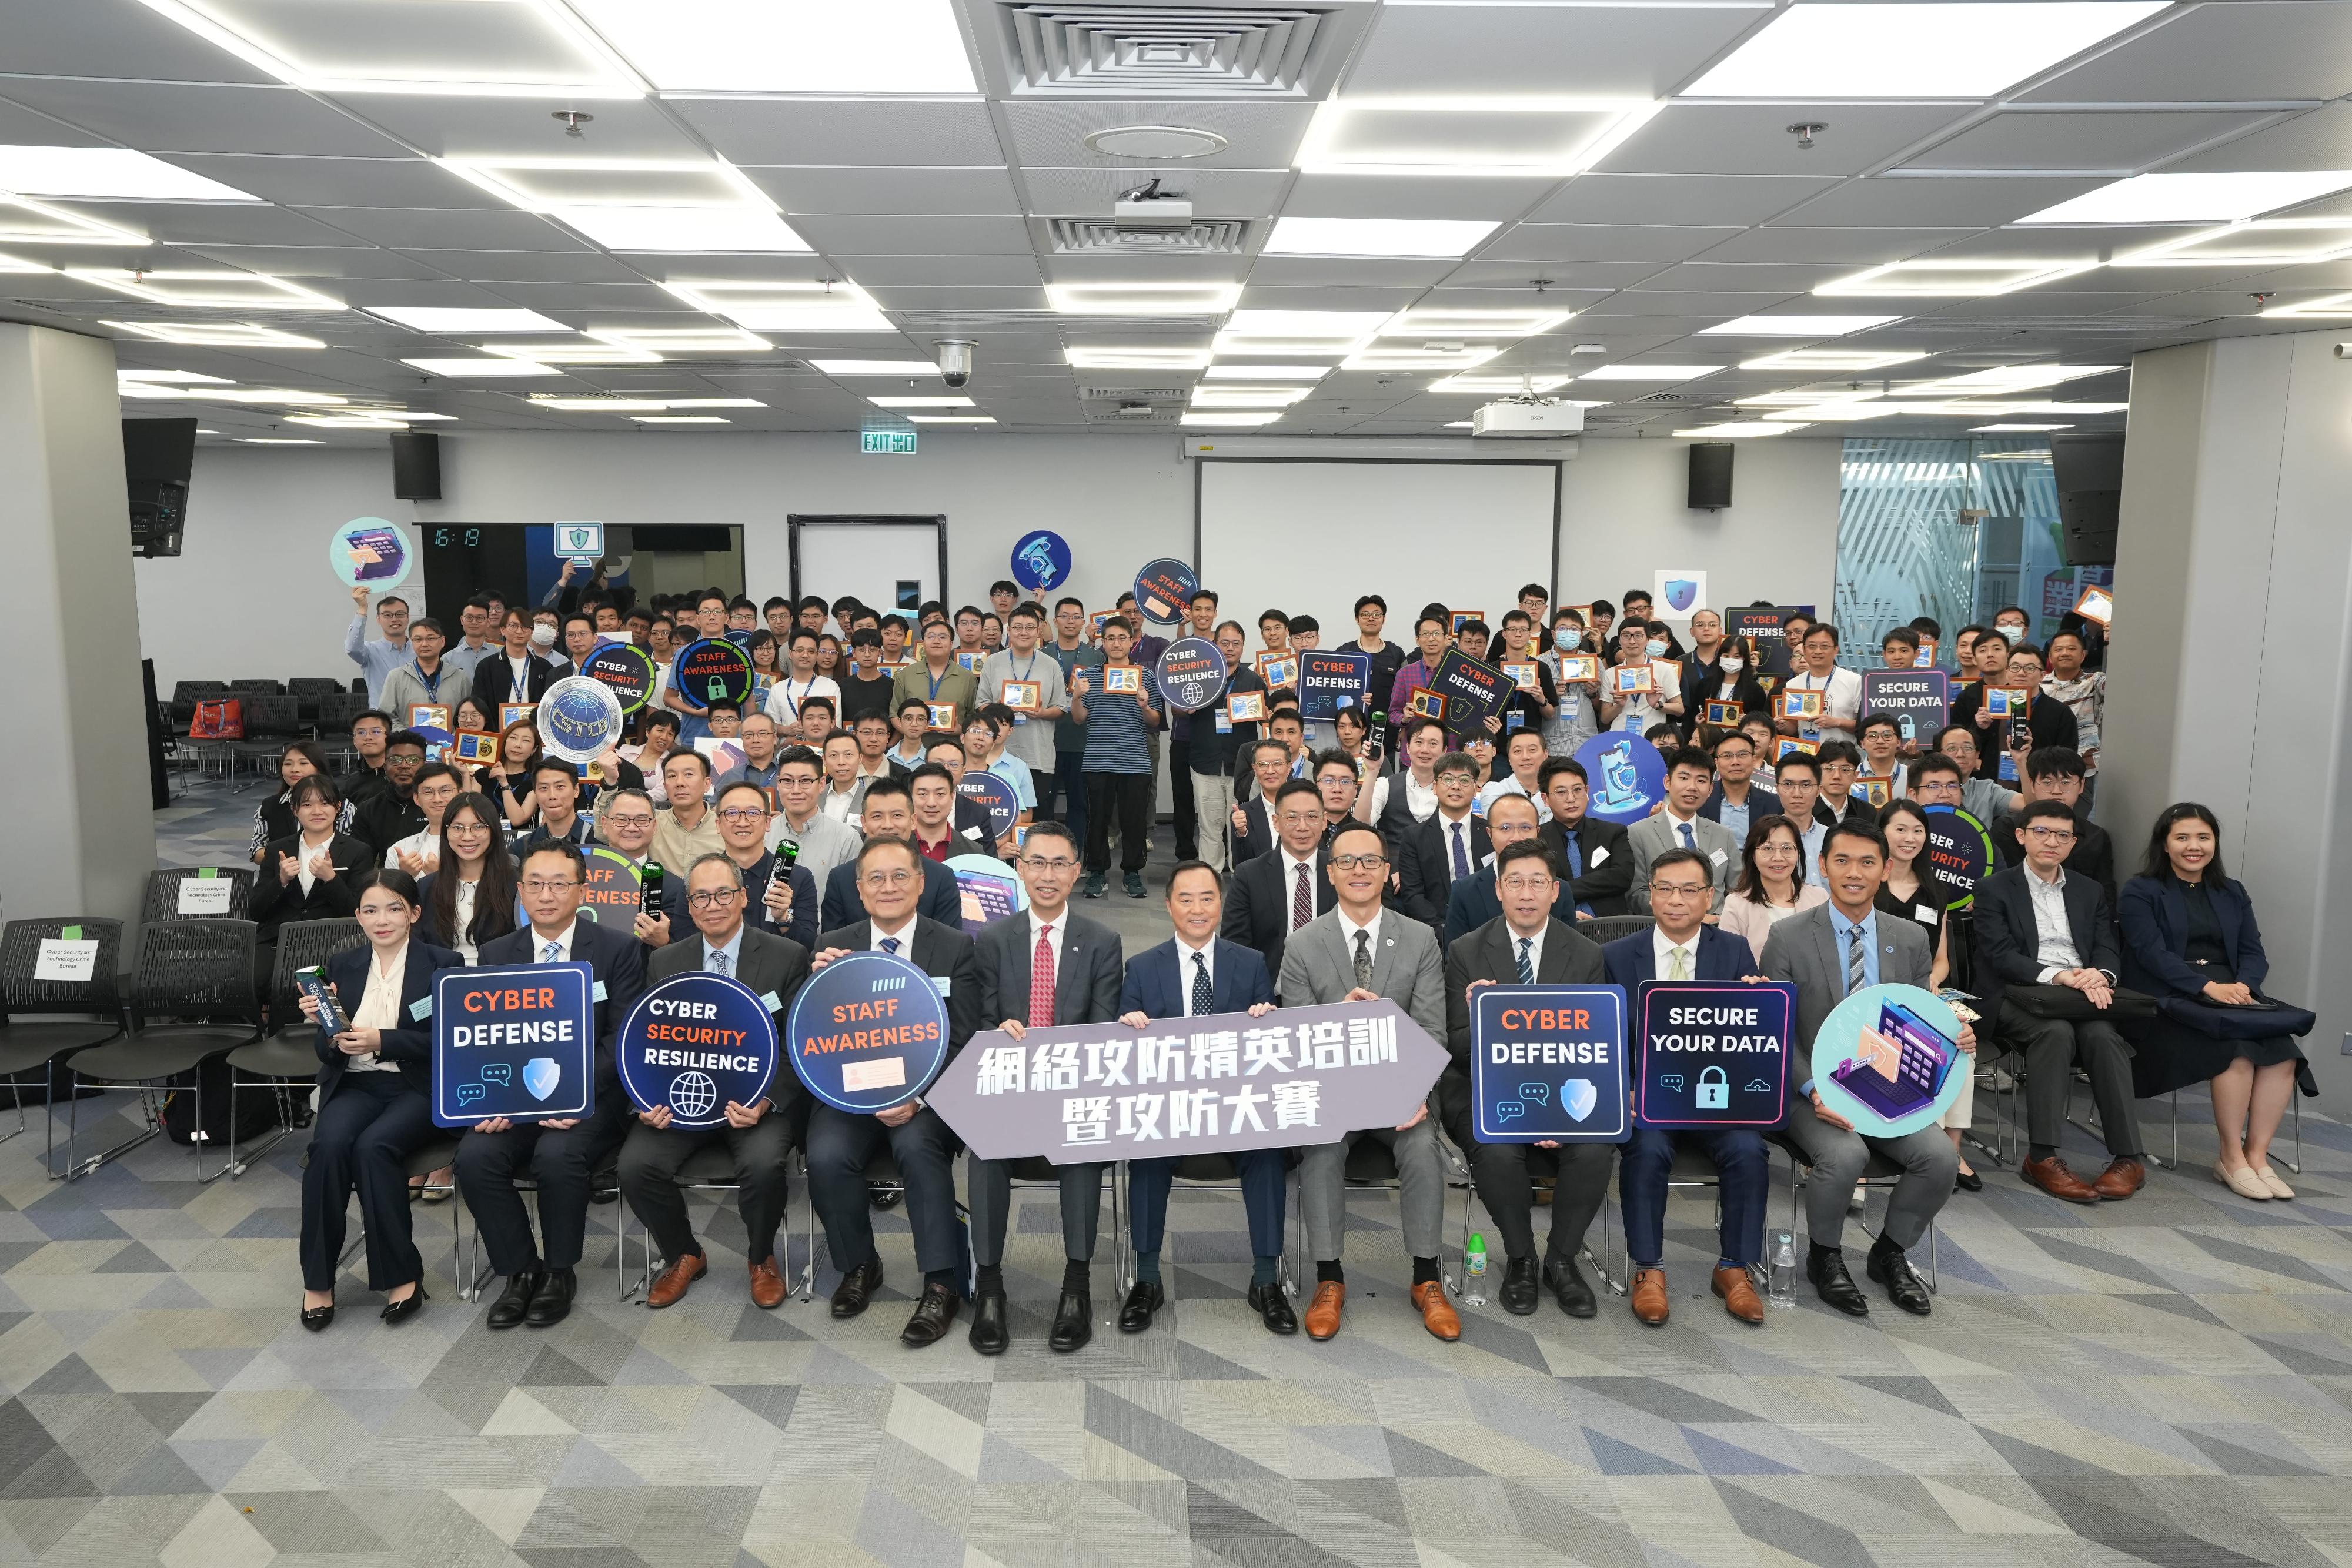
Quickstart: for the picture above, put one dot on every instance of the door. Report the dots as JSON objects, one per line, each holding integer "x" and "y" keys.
{"x": 887, "y": 563}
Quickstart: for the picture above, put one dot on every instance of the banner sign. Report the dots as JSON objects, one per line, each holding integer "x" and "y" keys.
{"x": 1164, "y": 590}
{"x": 867, "y": 1032}
{"x": 712, "y": 670}
{"x": 1960, "y": 853}
{"x": 578, "y": 720}
{"x": 1208, "y": 1085}
{"x": 1330, "y": 679}
{"x": 1767, "y": 631}
{"x": 694, "y": 1044}
{"x": 1474, "y": 690}
{"x": 516, "y": 1040}
{"x": 995, "y": 795}
{"x": 1547, "y": 1063}
{"x": 1040, "y": 560}
{"x": 1712, "y": 1055}
{"x": 1629, "y": 777}
{"x": 1888, "y": 1060}
{"x": 371, "y": 553}
{"x": 1917, "y": 700}
{"x": 615, "y": 889}
{"x": 1191, "y": 673}
{"x": 989, "y": 889}
{"x": 627, "y": 669}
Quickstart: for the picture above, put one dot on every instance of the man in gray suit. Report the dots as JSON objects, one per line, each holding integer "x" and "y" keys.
{"x": 758, "y": 1137}
{"x": 1829, "y": 952}
{"x": 1041, "y": 968}
{"x": 1360, "y": 953}
{"x": 1690, "y": 778}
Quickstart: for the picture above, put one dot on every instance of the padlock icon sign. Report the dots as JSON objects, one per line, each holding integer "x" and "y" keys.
{"x": 1714, "y": 1090}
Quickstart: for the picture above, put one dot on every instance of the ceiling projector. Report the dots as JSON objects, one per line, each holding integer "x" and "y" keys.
{"x": 1528, "y": 418}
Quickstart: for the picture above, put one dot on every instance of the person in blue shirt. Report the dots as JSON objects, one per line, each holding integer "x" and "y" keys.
{"x": 377, "y": 659}
{"x": 1117, "y": 758}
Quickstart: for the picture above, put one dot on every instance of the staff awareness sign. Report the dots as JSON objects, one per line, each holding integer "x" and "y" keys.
{"x": 1215, "y": 1084}
{"x": 868, "y": 1031}
{"x": 1164, "y": 588}
{"x": 1712, "y": 1055}
{"x": 1548, "y": 1064}
{"x": 712, "y": 670}
{"x": 517, "y": 1040}
{"x": 695, "y": 1043}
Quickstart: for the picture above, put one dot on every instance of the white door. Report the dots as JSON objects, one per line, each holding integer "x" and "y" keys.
{"x": 886, "y": 566}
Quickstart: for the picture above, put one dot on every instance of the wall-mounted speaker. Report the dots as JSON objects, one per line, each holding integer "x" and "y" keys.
{"x": 1710, "y": 476}
{"x": 2088, "y": 470}
{"x": 416, "y": 467}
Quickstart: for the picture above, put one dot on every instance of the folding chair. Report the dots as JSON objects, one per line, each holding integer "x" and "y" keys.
{"x": 271, "y": 721}
{"x": 332, "y": 722}
{"x": 41, "y": 1021}
{"x": 473, "y": 1269}
{"x": 164, "y": 898}
{"x": 881, "y": 1171}
{"x": 1201, "y": 1173}
{"x": 710, "y": 1168}
{"x": 1878, "y": 1173}
{"x": 287, "y": 1062}
{"x": 1371, "y": 1166}
{"x": 1543, "y": 1168}
{"x": 307, "y": 692}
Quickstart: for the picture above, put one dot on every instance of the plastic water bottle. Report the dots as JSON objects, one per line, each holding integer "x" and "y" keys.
{"x": 1473, "y": 1272}
{"x": 1784, "y": 1270}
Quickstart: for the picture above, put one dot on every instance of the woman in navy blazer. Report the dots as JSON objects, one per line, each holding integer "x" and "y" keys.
{"x": 375, "y": 1102}
{"x": 2188, "y": 931}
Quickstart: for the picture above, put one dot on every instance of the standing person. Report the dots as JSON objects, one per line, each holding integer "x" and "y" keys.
{"x": 1448, "y": 848}
{"x": 1535, "y": 704}
{"x": 310, "y": 873}
{"x": 1575, "y": 722}
{"x": 2084, "y": 694}
{"x": 1771, "y": 883}
{"x": 475, "y": 642}
{"x": 1591, "y": 855}
{"x": 1371, "y": 621}
{"x": 1841, "y": 688}
{"x": 1268, "y": 763}
{"x": 937, "y": 679}
{"x": 1405, "y": 795}
{"x": 1430, "y": 635}
{"x": 782, "y": 898}
{"x": 1024, "y": 660}
{"x": 844, "y": 785}
{"x": 378, "y": 659}
{"x": 865, "y": 685}
{"x": 1046, "y": 967}
{"x": 1638, "y": 643}
{"x": 1829, "y": 953}
{"x": 390, "y": 814}
{"x": 1362, "y": 952}
{"x": 1117, "y": 761}
{"x": 426, "y": 678}
{"x": 798, "y": 681}
{"x": 820, "y": 841}
{"x": 1201, "y": 621}
{"x": 1272, "y": 896}
{"x": 758, "y": 1137}
{"x": 984, "y": 740}
{"x": 436, "y": 786}
{"x": 1074, "y": 654}
{"x": 1799, "y": 789}
{"x": 470, "y": 899}
{"x": 1882, "y": 740}
{"x": 556, "y": 792}
{"x": 375, "y": 1104}
{"x": 1728, "y": 677}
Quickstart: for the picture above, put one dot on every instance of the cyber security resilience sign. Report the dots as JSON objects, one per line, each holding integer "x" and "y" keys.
{"x": 867, "y": 1032}
{"x": 516, "y": 1040}
{"x": 1547, "y": 1063}
{"x": 1191, "y": 673}
{"x": 695, "y": 1042}
{"x": 1711, "y": 1055}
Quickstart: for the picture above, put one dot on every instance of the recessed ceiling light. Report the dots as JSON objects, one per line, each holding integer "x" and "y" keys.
{"x": 1835, "y": 413}
{"x": 1222, "y": 371}
{"x": 1297, "y": 332}
{"x": 278, "y": 440}
{"x": 202, "y": 431}
{"x": 1505, "y": 385}
{"x": 359, "y": 420}
{"x": 1941, "y": 48}
{"x": 2264, "y": 242}
{"x": 1737, "y": 430}
{"x": 2332, "y": 307}
{"x": 465, "y": 318}
{"x": 710, "y": 402}
{"x": 1142, "y": 298}
{"x": 2014, "y": 429}
{"x": 1438, "y": 322}
{"x": 1796, "y": 326}
{"x": 1834, "y": 360}
{"x": 559, "y": 185}
{"x": 1468, "y": 136}
{"x": 1154, "y": 143}
{"x": 2003, "y": 379}
{"x": 487, "y": 365}
{"x": 185, "y": 378}
{"x": 1648, "y": 372}
{"x": 599, "y": 404}
{"x": 216, "y": 334}
{"x": 240, "y": 290}
{"x": 683, "y": 340}
{"x": 681, "y": 419}
{"x": 1956, "y": 278}
{"x": 19, "y": 263}
{"x": 1457, "y": 423}
{"x": 874, "y": 367}
{"x": 275, "y": 396}
{"x": 29, "y": 222}
{"x": 1805, "y": 397}
{"x": 1248, "y": 397}
{"x": 1432, "y": 357}
{"x": 1138, "y": 359}
{"x": 2192, "y": 198}
{"x": 759, "y": 46}
{"x": 686, "y": 231}
{"x": 1450, "y": 238}
{"x": 591, "y": 353}
{"x": 1228, "y": 421}
{"x": 492, "y": 48}
{"x": 950, "y": 419}
{"x": 921, "y": 402}
{"x": 789, "y": 307}
{"x": 106, "y": 173}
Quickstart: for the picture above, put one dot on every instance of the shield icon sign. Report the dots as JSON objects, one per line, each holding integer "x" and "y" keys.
{"x": 541, "y": 1075}
{"x": 1681, "y": 592}
{"x": 1577, "y": 1097}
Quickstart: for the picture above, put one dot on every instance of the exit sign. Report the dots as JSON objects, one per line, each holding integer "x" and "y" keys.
{"x": 893, "y": 443}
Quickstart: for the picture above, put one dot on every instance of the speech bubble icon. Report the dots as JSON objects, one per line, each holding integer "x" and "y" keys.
{"x": 501, "y": 1072}
{"x": 1539, "y": 1093}
{"x": 1509, "y": 1111}
{"x": 469, "y": 1092}
{"x": 1670, "y": 1080}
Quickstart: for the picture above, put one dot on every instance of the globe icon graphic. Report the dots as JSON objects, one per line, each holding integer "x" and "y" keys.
{"x": 692, "y": 1095}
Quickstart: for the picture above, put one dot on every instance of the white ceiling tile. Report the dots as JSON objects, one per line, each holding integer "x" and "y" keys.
{"x": 426, "y": 228}
{"x": 2247, "y": 50}
{"x": 525, "y": 127}
{"x": 1677, "y": 198}
{"x": 312, "y": 262}
{"x": 496, "y": 267}
{"x": 1895, "y": 201}
{"x": 1860, "y": 246}
{"x": 1786, "y": 278}
{"x": 880, "y": 190}
{"x": 172, "y": 117}
{"x": 1312, "y": 299}
{"x": 991, "y": 271}
{"x": 1213, "y": 192}
{"x": 598, "y": 304}
{"x": 1564, "y": 243}
{"x": 297, "y": 182}
{"x": 919, "y": 297}
{"x": 2118, "y": 140}
{"x": 1258, "y": 135}
{"x": 2320, "y": 139}
{"x": 924, "y": 236}
{"x": 1625, "y": 51}
{"x": 120, "y": 37}
{"x": 886, "y": 131}
{"x": 1742, "y": 138}
{"x": 1413, "y": 197}
{"x": 1306, "y": 271}
{"x": 212, "y": 223}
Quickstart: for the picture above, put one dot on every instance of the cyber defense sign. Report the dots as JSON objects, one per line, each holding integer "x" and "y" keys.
{"x": 867, "y": 1032}
{"x": 517, "y": 1040}
{"x": 1474, "y": 690}
{"x": 1919, "y": 701}
{"x": 1712, "y": 1055}
{"x": 695, "y": 1042}
{"x": 1548, "y": 1064}
{"x": 1330, "y": 679}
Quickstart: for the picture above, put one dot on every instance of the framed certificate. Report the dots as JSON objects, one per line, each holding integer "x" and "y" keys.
{"x": 429, "y": 716}
{"x": 1426, "y": 704}
{"x": 515, "y": 712}
{"x": 1579, "y": 667}
{"x": 1666, "y": 674}
{"x": 1462, "y": 616}
{"x": 1127, "y": 679}
{"x": 1726, "y": 713}
{"x": 1631, "y": 680}
{"x": 1791, "y": 747}
{"x": 1877, "y": 791}
{"x": 2007, "y": 701}
{"x": 1926, "y": 655}
{"x": 1524, "y": 676}
{"x": 942, "y": 715}
{"x": 1023, "y": 697}
{"x": 971, "y": 662}
{"x": 1278, "y": 671}
{"x": 1796, "y": 703}
{"x": 2096, "y": 605}
{"x": 475, "y": 748}
{"x": 1246, "y": 708}
{"x": 1096, "y": 623}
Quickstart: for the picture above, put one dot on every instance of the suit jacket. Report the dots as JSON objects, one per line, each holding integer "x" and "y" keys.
{"x": 1473, "y": 902}
{"x": 1258, "y": 838}
{"x": 942, "y": 899}
{"x": 2155, "y": 919}
{"x": 1721, "y": 956}
{"x": 1491, "y": 953}
{"x": 275, "y": 903}
{"x": 2009, "y": 940}
{"x": 1761, "y": 803}
{"x": 1156, "y": 981}
{"x": 771, "y": 965}
{"x": 409, "y": 1047}
{"x": 940, "y": 951}
{"x": 494, "y": 681}
{"x": 1427, "y": 860}
{"x": 613, "y": 955}
{"x": 1653, "y": 836}
{"x": 1258, "y": 904}
{"x": 1320, "y": 966}
{"x": 1085, "y": 980}
{"x": 1804, "y": 951}
{"x": 800, "y": 928}
{"x": 1607, "y": 861}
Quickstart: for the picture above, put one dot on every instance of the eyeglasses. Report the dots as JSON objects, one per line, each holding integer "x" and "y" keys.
{"x": 713, "y": 898}
{"x": 1045, "y": 867}
{"x": 1360, "y": 862}
{"x": 634, "y": 819}
{"x": 540, "y": 885}
{"x": 1530, "y": 884}
{"x": 888, "y": 878}
{"x": 2052, "y": 835}
{"x": 1678, "y": 890}
{"x": 742, "y": 814}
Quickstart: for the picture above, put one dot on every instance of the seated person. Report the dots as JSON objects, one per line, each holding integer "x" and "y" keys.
{"x": 1510, "y": 821}
{"x": 2059, "y": 773}
{"x": 1591, "y": 855}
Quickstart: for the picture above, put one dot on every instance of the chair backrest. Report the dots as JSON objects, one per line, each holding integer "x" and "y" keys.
{"x": 1611, "y": 928}
{"x": 22, "y": 992}
{"x": 186, "y": 694}
{"x": 273, "y": 717}
{"x": 167, "y": 902}
{"x": 195, "y": 969}
{"x": 263, "y": 684}
{"x": 336, "y": 711}
{"x": 304, "y": 944}
{"x": 312, "y": 686}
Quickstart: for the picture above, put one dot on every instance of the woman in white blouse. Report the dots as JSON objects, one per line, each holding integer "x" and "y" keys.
{"x": 1771, "y": 885}
{"x": 472, "y": 897}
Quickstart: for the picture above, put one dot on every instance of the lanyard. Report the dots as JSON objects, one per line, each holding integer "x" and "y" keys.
{"x": 796, "y": 701}
{"x": 935, "y": 681}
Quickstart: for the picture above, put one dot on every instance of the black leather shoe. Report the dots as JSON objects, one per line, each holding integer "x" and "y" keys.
{"x": 1520, "y": 1292}
{"x": 317, "y": 1318}
{"x": 934, "y": 1315}
{"x": 1968, "y": 1181}
{"x": 857, "y": 1288}
{"x": 604, "y": 1186}
{"x": 1146, "y": 1298}
{"x": 1832, "y": 1283}
{"x": 990, "y": 1332}
{"x": 1074, "y": 1321}
{"x": 407, "y": 1307}
{"x": 553, "y": 1305}
{"x": 1568, "y": 1287}
{"x": 1272, "y": 1305}
{"x": 1888, "y": 1267}
{"x": 515, "y": 1300}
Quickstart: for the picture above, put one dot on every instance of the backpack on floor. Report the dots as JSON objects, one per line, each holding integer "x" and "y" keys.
{"x": 257, "y": 1108}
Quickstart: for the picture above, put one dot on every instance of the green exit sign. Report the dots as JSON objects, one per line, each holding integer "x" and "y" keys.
{"x": 893, "y": 443}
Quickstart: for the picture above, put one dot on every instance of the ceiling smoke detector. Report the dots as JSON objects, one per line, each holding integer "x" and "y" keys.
{"x": 1151, "y": 143}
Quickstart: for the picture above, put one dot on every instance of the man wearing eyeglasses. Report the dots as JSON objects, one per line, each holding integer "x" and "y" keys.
{"x": 560, "y": 1155}
{"x": 783, "y": 897}
{"x": 822, "y": 842}
{"x": 759, "y": 1136}
{"x": 890, "y": 814}
{"x": 1046, "y": 967}
{"x": 625, "y": 824}
{"x": 1271, "y": 896}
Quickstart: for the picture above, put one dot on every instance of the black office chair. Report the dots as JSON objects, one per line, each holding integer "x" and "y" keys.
{"x": 287, "y": 1062}
{"x": 270, "y": 723}
{"x": 166, "y": 901}
{"x": 41, "y": 1021}
{"x": 1606, "y": 928}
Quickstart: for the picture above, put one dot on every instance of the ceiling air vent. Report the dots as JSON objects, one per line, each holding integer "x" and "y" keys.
{"x": 1134, "y": 395}
{"x": 1130, "y": 51}
{"x": 1214, "y": 236}
{"x": 1130, "y": 412}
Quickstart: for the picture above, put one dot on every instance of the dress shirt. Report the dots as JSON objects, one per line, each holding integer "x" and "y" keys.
{"x": 1347, "y": 929}
{"x": 1419, "y": 799}
{"x": 1185, "y": 969}
{"x": 905, "y": 936}
{"x": 1816, "y": 833}
{"x": 304, "y": 851}
{"x": 1868, "y": 928}
{"x": 564, "y": 944}
{"x": 460, "y": 939}
{"x": 1450, "y": 833}
{"x": 1535, "y": 946}
{"x": 2057, "y": 933}
{"x": 732, "y": 949}
{"x": 1053, "y": 932}
{"x": 378, "y": 1008}
{"x": 1684, "y": 831}
{"x": 1735, "y": 818}
{"x": 1662, "y": 952}
{"x": 1290, "y": 867}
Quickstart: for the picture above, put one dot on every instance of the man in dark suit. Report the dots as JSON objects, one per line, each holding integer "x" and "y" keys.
{"x": 1268, "y": 762}
{"x": 1196, "y": 974}
{"x": 1510, "y": 820}
{"x": 1682, "y": 947}
{"x": 889, "y": 813}
{"x": 781, "y": 899}
{"x": 840, "y": 1144}
{"x": 1037, "y": 969}
{"x": 1592, "y": 854}
{"x": 759, "y": 1136}
{"x": 560, "y": 1156}
{"x": 1264, "y": 898}
{"x": 2057, "y": 773}
{"x": 2039, "y": 925}
{"x": 1526, "y": 944}
{"x": 494, "y": 682}
{"x": 1448, "y": 848}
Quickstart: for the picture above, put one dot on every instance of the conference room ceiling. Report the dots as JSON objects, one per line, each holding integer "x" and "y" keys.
{"x": 1626, "y": 180}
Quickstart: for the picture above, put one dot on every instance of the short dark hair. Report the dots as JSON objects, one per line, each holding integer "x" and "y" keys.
{"x": 1845, "y": 751}
{"x": 1332, "y": 757}
{"x": 1870, "y": 721}
{"x": 1456, "y": 762}
{"x": 1803, "y": 760}
{"x": 1051, "y": 831}
{"x": 727, "y": 790}
{"x": 1216, "y": 879}
{"x": 1821, "y": 629}
{"x": 927, "y": 770}
{"x": 1305, "y": 623}
{"x": 888, "y": 784}
{"x": 316, "y": 787}
{"x": 565, "y": 848}
{"x": 1937, "y": 762}
{"x": 792, "y": 754}
{"x": 1353, "y": 825}
{"x": 1902, "y": 636}
{"x": 1291, "y": 786}
{"x": 688, "y": 754}
{"x": 1535, "y": 590}
{"x": 2036, "y": 809}
{"x": 889, "y": 840}
{"x": 1683, "y": 857}
{"x": 389, "y": 878}
{"x": 2055, "y": 762}
{"x": 438, "y": 770}
{"x": 1374, "y": 601}
{"x": 546, "y": 764}
{"x": 1689, "y": 756}
{"x": 1199, "y": 593}
{"x": 407, "y": 737}
{"x": 1557, "y": 766}
{"x": 1525, "y": 850}
{"x": 1855, "y": 825}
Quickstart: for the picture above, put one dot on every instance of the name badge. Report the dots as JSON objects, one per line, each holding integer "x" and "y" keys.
{"x": 943, "y": 984}
{"x": 1926, "y": 914}
{"x": 1225, "y": 722}
{"x": 1600, "y": 858}
{"x": 598, "y": 994}
{"x": 421, "y": 1008}
{"x": 773, "y": 1002}
{"x": 1715, "y": 855}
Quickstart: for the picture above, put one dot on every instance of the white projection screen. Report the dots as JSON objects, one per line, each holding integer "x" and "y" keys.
{"x": 1310, "y": 536}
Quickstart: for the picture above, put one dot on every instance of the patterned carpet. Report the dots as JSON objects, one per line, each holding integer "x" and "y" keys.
{"x": 2162, "y": 1381}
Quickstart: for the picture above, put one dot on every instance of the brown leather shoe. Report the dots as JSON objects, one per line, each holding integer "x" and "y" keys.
{"x": 1650, "y": 1295}
{"x": 671, "y": 1282}
{"x": 2121, "y": 1180}
{"x": 1739, "y": 1295}
{"x": 1437, "y": 1313}
{"x": 2052, "y": 1178}
{"x": 1323, "y": 1311}
{"x": 767, "y": 1284}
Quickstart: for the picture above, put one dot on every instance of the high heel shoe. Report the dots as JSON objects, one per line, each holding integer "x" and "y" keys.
{"x": 1968, "y": 1181}
{"x": 407, "y": 1307}
{"x": 2243, "y": 1182}
{"x": 316, "y": 1318}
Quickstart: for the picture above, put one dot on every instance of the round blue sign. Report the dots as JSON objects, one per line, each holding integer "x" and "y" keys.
{"x": 867, "y": 1032}
{"x": 696, "y": 1042}
{"x": 1625, "y": 774}
{"x": 1040, "y": 560}
{"x": 578, "y": 718}
{"x": 371, "y": 553}
{"x": 993, "y": 792}
{"x": 1191, "y": 673}
{"x": 1164, "y": 590}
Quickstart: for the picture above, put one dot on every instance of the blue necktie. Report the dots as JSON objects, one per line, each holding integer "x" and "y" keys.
{"x": 719, "y": 964}
{"x": 1203, "y": 998}
{"x": 1575, "y": 853}
{"x": 1857, "y": 973}
{"x": 889, "y": 943}
{"x": 551, "y": 954}
{"x": 1688, "y": 842}
{"x": 1526, "y": 968}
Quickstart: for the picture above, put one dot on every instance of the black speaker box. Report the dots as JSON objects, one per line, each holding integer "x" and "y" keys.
{"x": 416, "y": 467}
{"x": 1710, "y": 476}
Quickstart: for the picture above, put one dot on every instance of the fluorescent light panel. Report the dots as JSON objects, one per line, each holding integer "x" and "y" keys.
{"x": 465, "y": 318}
{"x": 1090, "y": 359}
{"x": 489, "y": 366}
{"x": 1142, "y": 298}
{"x": 759, "y": 46}
{"x": 268, "y": 396}
{"x": 791, "y": 306}
{"x": 686, "y": 231}
{"x": 593, "y": 353}
{"x": 950, "y": 419}
{"x": 921, "y": 402}
{"x": 1505, "y": 324}
{"x": 1834, "y": 359}
{"x": 487, "y": 48}
{"x": 1955, "y": 278}
{"x": 2001, "y": 378}
{"x": 681, "y": 419}
{"x": 1449, "y": 239}
{"x": 1736, "y": 430}
{"x": 236, "y": 291}
{"x": 2014, "y": 429}
{"x": 19, "y": 263}
{"x": 184, "y": 378}
{"x": 29, "y": 222}
{"x": 1380, "y": 359}
{"x": 1943, "y": 48}
{"x": 106, "y": 173}
{"x": 683, "y": 340}
{"x": 1648, "y": 372}
{"x": 1455, "y": 136}
{"x": 1222, "y": 371}
{"x": 216, "y": 334}
{"x": 1248, "y": 397}
{"x": 874, "y": 367}
{"x": 2283, "y": 242}
{"x": 2333, "y": 307}
{"x": 1227, "y": 421}
{"x": 1500, "y": 385}
{"x": 278, "y": 440}
{"x": 1796, "y": 326}
{"x": 2193, "y": 198}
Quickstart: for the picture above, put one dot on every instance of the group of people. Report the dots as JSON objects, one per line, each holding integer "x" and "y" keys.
{"x": 1371, "y": 855}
